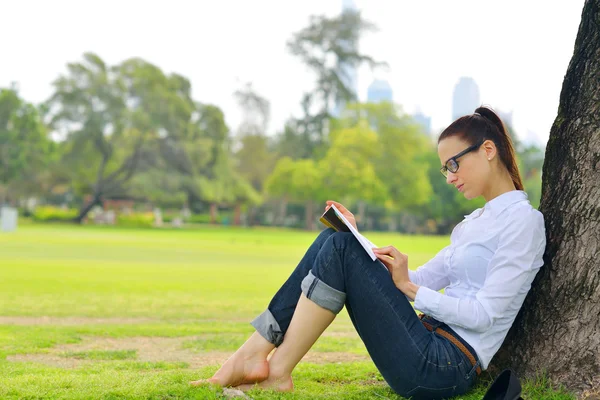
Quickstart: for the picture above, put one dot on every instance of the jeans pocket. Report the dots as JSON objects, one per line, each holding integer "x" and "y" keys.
{"x": 425, "y": 393}
{"x": 472, "y": 371}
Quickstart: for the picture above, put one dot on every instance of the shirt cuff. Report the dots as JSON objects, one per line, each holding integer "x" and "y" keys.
{"x": 428, "y": 301}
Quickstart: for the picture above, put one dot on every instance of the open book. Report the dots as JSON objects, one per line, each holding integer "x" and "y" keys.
{"x": 333, "y": 218}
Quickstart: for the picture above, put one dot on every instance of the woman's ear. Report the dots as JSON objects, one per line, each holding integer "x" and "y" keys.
{"x": 490, "y": 149}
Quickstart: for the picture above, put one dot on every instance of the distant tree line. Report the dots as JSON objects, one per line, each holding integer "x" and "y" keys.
{"x": 130, "y": 131}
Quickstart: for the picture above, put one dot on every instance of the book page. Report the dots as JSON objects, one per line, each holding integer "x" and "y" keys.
{"x": 365, "y": 243}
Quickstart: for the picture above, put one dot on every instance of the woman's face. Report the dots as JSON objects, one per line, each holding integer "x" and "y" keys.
{"x": 474, "y": 170}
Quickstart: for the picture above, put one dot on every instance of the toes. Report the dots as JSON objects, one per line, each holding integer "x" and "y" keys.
{"x": 201, "y": 382}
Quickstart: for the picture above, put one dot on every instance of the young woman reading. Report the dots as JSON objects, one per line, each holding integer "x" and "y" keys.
{"x": 486, "y": 271}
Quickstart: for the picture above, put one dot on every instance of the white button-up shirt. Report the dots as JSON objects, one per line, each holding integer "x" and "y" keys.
{"x": 486, "y": 271}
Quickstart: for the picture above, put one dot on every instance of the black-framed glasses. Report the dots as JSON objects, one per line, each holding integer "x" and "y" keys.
{"x": 452, "y": 163}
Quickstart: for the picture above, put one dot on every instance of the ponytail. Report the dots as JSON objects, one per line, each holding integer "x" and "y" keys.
{"x": 485, "y": 124}
{"x": 505, "y": 147}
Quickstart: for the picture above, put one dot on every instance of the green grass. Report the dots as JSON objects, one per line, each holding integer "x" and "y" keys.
{"x": 101, "y": 355}
{"x": 193, "y": 290}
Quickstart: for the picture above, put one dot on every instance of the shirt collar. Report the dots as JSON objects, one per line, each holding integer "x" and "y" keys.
{"x": 500, "y": 203}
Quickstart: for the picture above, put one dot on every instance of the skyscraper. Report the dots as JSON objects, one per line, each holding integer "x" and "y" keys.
{"x": 347, "y": 71}
{"x": 465, "y": 98}
{"x": 378, "y": 91}
{"x": 423, "y": 120}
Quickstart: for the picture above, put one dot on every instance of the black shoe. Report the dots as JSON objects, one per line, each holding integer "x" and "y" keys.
{"x": 505, "y": 387}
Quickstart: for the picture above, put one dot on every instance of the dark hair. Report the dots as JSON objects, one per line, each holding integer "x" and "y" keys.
{"x": 485, "y": 124}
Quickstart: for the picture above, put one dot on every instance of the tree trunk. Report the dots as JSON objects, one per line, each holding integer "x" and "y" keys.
{"x": 281, "y": 213}
{"x": 83, "y": 212}
{"x": 309, "y": 216}
{"x": 213, "y": 213}
{"x": 252, "y": 216}
{"x": 558, "y": 329}
{"x": 393, "y": 224}
{"x": 237, "y": 216}
{"x": 361, "y": 217}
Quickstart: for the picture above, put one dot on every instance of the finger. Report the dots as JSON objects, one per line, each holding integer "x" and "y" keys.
{"x": 338, "y": 205}
{"x": 385, "y": 257}
{"x": 383, "y": 253}
{"x": 390, "y": 250}
{"x": 385, "y": 260}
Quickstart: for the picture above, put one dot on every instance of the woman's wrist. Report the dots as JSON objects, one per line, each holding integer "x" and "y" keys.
{"x": 409, "y": 289}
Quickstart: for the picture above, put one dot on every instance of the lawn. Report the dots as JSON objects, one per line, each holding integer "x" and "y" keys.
{"x": 100, "y": 312}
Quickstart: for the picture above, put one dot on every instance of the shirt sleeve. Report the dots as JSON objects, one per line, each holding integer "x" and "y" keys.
{"x": 513, "y": 266}
{"x": 432, "y": 274}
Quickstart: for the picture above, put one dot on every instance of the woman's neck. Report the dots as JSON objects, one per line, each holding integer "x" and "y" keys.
{"x": 503, "y": 184}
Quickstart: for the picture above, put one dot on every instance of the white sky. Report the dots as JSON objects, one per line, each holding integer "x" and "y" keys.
{"x": 517, "y": 51}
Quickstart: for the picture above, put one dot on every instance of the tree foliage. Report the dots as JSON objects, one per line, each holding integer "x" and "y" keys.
{"x": 25, "y": 147}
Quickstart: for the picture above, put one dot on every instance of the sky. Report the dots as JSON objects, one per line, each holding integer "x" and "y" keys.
{"x": 517, "y": 51}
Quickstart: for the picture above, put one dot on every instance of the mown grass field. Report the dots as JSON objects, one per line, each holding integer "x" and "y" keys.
{"x": 98, "y": 312}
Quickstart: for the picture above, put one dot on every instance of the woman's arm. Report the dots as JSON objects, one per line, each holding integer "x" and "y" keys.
{"x": 513, "y": 266}
{"x": 432, "y": 274}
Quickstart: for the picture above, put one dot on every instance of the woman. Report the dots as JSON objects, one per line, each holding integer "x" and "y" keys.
{"x": 486, "y": 271}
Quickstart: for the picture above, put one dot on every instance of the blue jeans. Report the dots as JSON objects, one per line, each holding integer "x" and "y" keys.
{"x": 336, "y": 271}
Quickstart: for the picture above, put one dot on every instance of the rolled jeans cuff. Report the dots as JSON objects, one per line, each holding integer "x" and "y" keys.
{"x": 322, "y": 294}
{"x": 266, "y": 325}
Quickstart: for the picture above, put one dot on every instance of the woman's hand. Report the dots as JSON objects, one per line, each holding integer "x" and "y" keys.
{"x": 397, "y": 263}
{"x": 349, "y": 216}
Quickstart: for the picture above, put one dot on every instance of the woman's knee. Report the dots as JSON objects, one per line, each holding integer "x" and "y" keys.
{"x": 324, "y": 235}
{"x": 344, "y": 242}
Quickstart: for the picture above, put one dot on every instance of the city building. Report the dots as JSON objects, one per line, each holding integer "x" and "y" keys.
{"x": 466, "y": 97}
{"x": 348, "y": 72}
{"x": 380, "y": 90}
{"x": 423, "y": 120}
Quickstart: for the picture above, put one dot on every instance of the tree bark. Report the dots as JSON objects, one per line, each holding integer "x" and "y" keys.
{"x": 213, "y": 213}
{"x": 83, "y": 212}
{"x": 361, "y": 215}
{"x": 237, "y": 215}
{"x": 281, "y": 212}
{"x": 558, "y": 329}
{"x": 309, "y": 216}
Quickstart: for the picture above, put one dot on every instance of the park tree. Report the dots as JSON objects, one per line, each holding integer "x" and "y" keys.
{"x": 25, "y": 147}
{"x": 349, "y": 170}
{"x": 226, "y": 188}
{"x": 197, "y": 155}
{"x": 279, "y": 186}
{"x": 399, "y": 161}
{"x": 88, "y": 110}
{"x": 109, "y": 116}
{"x": 558, "y": 329}
{"x": 306, "y": 188}
{"x": 256, "y": 110}
{"x": 328, "y": 47}
{"x": 299, "y": 138}
{"x": 253, "y": 156}
{"x": 204, "y": 157}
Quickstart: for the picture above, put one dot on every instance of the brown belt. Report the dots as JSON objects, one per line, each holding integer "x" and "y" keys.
{"x": 454, "y": 340}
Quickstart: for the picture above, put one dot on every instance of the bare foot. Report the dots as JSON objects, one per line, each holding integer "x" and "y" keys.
{"x": 238, "y": 370}
{"x": 281, "y": 384}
